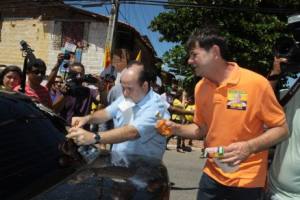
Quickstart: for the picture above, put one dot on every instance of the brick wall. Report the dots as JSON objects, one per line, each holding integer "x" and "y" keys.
{"x": 44, "y": 36}
{"x": 91, "y": 56}
{"x": 15, "y": 30}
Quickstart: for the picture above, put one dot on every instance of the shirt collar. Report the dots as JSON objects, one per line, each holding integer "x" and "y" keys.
{"x": 234, "y": 76}
{"x": 144, "y": 100}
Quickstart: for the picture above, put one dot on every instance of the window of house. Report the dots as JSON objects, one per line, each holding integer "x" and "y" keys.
{"x": 72, "y": 32}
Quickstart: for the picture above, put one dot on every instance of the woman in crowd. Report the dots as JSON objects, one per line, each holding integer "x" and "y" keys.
{"x": 10, "y": 77}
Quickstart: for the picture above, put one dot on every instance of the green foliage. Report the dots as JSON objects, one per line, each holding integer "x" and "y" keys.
{"x": 251, "y": 34}
{"x": 177, "y": 59}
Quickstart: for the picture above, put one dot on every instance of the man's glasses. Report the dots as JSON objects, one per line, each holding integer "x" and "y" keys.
{"x": 58, "y": 82}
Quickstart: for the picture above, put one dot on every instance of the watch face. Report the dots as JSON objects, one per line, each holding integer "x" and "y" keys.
{"x": 97, "y": 137}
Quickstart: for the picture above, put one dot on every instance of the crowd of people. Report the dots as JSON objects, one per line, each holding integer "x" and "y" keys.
{"x": 232, "y": 107}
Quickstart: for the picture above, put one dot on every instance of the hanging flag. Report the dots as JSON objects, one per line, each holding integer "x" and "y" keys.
{"x": 139, "y": 56}
{"x": 106, "y": 59}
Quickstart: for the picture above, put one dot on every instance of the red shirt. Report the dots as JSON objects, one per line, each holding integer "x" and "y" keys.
{"x": 39, "y": 94}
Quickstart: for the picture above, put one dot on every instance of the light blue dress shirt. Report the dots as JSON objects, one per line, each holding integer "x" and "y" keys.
{"x": 150, "y": 142}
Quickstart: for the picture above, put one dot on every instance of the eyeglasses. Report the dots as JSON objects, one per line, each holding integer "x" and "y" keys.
{"x": 38, "y": 72}
{"x": 60, "y": 82}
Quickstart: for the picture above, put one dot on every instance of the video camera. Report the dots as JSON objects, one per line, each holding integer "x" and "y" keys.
{"x": 288, "y": 47}
{"x": 73, "y": 82}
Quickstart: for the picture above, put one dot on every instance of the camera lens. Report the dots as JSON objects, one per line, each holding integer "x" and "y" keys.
{"x": 67, "y": 56}
{"x": 283, "y": 46}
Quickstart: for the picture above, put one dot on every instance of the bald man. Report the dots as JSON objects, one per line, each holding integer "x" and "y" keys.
{"x": 134, "y": 116}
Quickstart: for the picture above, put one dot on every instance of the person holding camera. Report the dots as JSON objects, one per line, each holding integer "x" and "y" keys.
{"x": 232, "y": 105}
{"x": 36, "y": 72}
{"x": 284, "y": 173}
{"x": 134, "y": 114}
{"x": 76, "y": 99}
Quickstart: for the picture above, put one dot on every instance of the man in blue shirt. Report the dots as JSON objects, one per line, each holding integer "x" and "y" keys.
{"x": 134, "y": 115}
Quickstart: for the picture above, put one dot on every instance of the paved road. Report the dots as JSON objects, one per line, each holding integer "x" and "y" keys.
{"x": 184, "y": 170}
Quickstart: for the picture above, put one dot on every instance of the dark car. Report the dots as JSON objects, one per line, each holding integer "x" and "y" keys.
{"x": 37, "y": 162}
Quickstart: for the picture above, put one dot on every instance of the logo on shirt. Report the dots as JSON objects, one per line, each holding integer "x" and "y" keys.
{"x": 237, "y": 99}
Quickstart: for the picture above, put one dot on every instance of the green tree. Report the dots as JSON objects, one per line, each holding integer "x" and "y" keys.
{"x": 251, "y": 27}
{"x": 177, "y": 59}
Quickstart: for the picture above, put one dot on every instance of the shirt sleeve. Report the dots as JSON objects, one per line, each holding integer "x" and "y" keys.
{"x": 146, "y": 122}
{"x": 113, "y": 108}
{"x": 177, "y": 103}
{"x": 198, "y": 118}
{"x": 271, "y": 112}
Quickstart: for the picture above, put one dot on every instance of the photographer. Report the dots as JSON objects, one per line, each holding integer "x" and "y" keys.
{"x": 284, "y": 174}
{"x": 76, "y": 99}
{"x": 36, "y": 72}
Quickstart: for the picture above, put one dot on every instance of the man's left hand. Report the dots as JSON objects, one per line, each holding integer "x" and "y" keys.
{"x": 236, "y": 153}
{"x": 81, "y": 136}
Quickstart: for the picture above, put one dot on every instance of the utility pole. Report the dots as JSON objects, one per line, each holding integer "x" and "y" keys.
{"x": 111, "y": 30}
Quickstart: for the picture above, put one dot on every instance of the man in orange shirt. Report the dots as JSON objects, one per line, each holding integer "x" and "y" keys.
{"x": 232, "y": 106}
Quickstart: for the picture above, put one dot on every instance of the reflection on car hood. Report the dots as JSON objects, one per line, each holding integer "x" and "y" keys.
{"x": 114, "y": 176}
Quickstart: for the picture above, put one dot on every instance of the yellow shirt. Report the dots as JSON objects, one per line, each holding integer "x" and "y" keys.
{"x": 177, "y": 103}
{"x": 189, "y": 118}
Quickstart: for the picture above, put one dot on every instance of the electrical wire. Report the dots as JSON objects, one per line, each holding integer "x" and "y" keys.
{"x": 124, "y": 17}
{"x": 88, "y": 3}
{"x": 197, "y": 5}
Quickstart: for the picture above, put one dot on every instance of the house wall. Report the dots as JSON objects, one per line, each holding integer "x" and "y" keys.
{"x": 92, "y": 56}
{"x": 15, "y": 30}
{"x": 44, "y": 36}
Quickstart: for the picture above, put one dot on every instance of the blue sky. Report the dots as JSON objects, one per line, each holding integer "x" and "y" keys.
{"x": 139, "y": 16}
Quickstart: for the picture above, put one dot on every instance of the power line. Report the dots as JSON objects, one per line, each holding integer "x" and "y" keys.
{"x": 105, "y": 6}
{"x": 124, "y": 17}
{"x": 198, "y": 5}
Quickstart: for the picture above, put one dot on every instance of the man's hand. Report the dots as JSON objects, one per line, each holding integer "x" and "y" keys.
{"x": 78, "y": 122}
{"x": 166, "y": 127}
{"x": 236, "y": 153}
{"x": 81, "y": 136}
{"x": 276, "y": 65}
{"x": 60, "y": 58}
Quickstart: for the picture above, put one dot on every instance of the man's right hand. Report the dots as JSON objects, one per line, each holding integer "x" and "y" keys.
{"x": 78, "y": 122}
{"x": 166, "y": 127}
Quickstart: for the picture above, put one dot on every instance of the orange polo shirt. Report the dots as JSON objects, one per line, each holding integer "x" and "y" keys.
{"x": 236, "y": 111}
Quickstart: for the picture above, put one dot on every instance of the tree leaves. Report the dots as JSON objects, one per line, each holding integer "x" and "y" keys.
{"x": 251, "y": 34}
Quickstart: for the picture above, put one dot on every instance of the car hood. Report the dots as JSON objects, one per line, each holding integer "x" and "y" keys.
{"x": 114, "y": 176}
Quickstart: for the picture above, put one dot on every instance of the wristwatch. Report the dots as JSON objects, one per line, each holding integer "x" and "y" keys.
{"x": 97, "y": 137}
